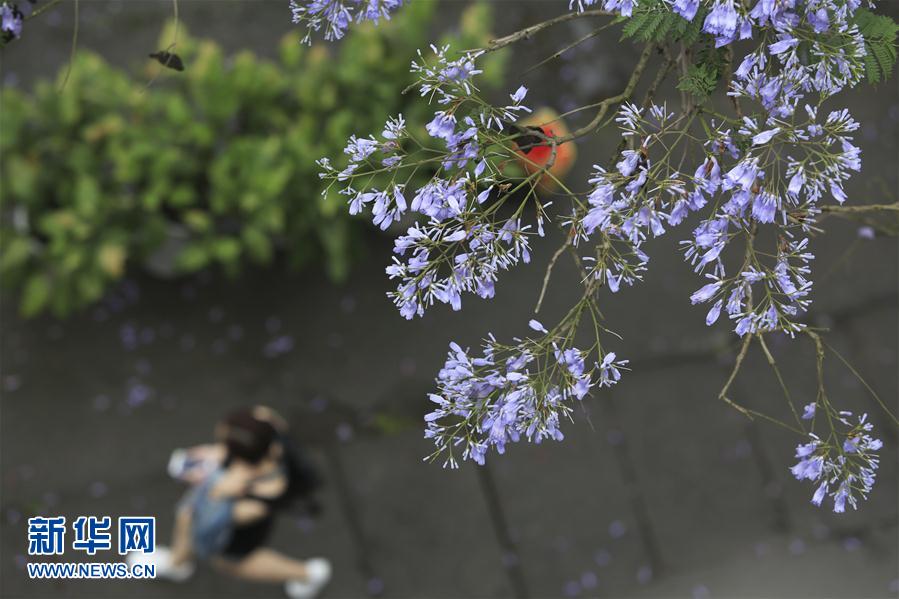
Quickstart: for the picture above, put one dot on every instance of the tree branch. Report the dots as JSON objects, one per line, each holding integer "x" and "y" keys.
{"x": 527, "y": 32}
{"x": 608, "y": 102}
{"x": 42, "y": 9}
{"x": 894, "y": 207}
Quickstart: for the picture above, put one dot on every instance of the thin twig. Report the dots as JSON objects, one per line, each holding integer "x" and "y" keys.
{"x": 65, "y": 79}
{"x": 501, "y": 531}
{"x": 865, "y": 383}
{"x": 819, "y": 364}
{"x": 894, "y": 207}
{"x": 780, "y": 379}
{"x": 660, "y": 77}
{"x": 608, "y": 102}
{"x": 729, "y": 57}
{"x": 733, "y": 375}
{"x": 527, "y": 32}
{"x": 558, "y": 53}
{"x": 684, "y": 61}
{"x": 42, "y": 9}
{"x": 864, "y": 213}
{"x": 549, "y": 270}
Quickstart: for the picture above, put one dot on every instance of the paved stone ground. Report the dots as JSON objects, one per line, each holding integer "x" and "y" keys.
{"x": 658, "y": 489}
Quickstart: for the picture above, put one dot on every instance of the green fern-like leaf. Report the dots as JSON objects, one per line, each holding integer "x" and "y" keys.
{"x": 634, "y": 24}
{"x": 880, "y": 44}
{"x": 653, "y": 24}
{"x": 705, "y": 73}
{"x": 700, "y": 81}
{"x": 653, "y": 21}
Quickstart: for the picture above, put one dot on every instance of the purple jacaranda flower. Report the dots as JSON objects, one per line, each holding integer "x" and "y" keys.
{"x": 818, "y": 19}
{"x": 11, "y": 20}
{"x": 713, "y": 313}
{"x": 764, "y": 207}
{"x": 686, "y": 8}
{"x": 721, "y": 20}
{"x": 785, "y": 42}
{"x": 796, "y": 183}
{"x": 519, "y": 94}
{"x": 628, "y": 163}
{"x": 705, "y": 293}
{"x": 537, "y": 326}
{"x": 837, "y": 191}
{"x": 765, "y": 136}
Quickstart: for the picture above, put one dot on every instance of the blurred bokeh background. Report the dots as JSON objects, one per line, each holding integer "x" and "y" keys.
{"x": 188, "y": 265}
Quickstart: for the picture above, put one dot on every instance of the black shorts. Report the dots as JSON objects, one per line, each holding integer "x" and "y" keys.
{"x": 247, "y": 538}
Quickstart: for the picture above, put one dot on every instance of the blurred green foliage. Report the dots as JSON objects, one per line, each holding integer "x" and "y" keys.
{"x": 211, "y": 166}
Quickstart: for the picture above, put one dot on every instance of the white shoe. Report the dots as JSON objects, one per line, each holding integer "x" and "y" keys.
{"x": 162, "y": 559}
{"x": 318, "y": 573}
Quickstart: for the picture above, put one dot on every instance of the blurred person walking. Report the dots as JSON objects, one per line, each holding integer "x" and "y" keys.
{"x": 239, "y": 484}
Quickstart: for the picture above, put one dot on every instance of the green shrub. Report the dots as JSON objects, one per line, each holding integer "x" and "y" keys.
{"x": 211, "y": 166}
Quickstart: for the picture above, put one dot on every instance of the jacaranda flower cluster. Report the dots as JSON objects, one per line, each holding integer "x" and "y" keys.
{"x": 335, "y": 16}
{"x": 511, "y": 392}
{"x": 758, "y": 176}
{"x": 842, "y": 467}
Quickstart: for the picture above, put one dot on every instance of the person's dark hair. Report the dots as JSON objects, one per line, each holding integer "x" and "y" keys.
{"x": 246, "y": 437}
